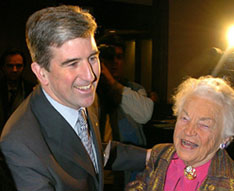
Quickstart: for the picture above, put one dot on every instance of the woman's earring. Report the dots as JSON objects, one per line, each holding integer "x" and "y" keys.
{"x": 222, "y": 146}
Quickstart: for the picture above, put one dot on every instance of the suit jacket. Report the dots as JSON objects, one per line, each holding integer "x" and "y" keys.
{"x": 220, "y": 175}
{"x": 25, "y": 88}
{"x": 6, "y": 183}
{"x": 44, "y": 153}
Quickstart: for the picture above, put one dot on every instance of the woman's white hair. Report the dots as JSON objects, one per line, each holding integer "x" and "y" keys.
{"x": 216, "y": 89}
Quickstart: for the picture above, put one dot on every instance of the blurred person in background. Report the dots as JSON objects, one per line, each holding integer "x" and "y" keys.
{"x": 14, "y": 88}
{"x": 124, "y": 106}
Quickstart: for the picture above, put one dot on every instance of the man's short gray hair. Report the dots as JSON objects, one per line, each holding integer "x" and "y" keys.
{"x": 53, "y": 26}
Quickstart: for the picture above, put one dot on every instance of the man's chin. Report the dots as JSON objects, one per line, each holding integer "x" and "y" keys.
{"x": 13, "y": 78}
{"x": 88, "y": 102}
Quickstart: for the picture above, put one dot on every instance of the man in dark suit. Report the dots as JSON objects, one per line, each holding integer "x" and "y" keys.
{"x": 42, "y": 143}
{"x": 14, "y": 88}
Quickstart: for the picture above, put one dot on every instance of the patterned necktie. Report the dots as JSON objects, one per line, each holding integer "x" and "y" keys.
{"x": 83, "y": 133}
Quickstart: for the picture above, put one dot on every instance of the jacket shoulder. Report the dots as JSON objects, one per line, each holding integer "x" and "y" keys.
{"x": 19, "y": 125}
{"x": 162, "y": 149}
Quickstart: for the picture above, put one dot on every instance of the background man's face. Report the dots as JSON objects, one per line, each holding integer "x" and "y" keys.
{"x": 13, "y": 66}
{"x": 115, "y": 66}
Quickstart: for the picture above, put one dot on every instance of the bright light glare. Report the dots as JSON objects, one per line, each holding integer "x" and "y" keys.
{"x": 230, "y": 36}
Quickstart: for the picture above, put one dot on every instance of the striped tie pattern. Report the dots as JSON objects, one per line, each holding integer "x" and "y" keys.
{"x": 83, "y": 133}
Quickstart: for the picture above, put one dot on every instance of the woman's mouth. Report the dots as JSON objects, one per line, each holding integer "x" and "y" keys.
{"x": 188, "y": 144}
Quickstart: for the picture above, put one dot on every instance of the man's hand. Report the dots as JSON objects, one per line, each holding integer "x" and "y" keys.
{"x": 107, "y": 74}
{"x": 148, "y": 156}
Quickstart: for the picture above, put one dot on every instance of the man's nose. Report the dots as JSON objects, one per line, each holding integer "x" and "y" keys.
{"x": 87, "y": 72}
{"x": 14, "y": 68}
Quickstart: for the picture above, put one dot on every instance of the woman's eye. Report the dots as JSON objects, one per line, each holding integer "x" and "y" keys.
{"x": 203, "y": 126}
{"x": 184, "y": 118}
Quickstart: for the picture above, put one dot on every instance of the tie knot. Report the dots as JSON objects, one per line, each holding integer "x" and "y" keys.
{"x": 82, "y": 117}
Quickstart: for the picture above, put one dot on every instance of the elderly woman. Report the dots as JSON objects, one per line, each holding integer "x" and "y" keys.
{"x": 205, "y": 126}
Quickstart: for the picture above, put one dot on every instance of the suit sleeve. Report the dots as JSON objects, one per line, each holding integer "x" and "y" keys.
{"x": 126, "y": 157}
{"x": 7, "y": 182}
{"x": 25, "y": 167}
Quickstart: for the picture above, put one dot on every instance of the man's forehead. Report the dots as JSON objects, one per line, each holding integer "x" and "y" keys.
{"x": 118, "y": 50}
{"x": 14, "y": 58}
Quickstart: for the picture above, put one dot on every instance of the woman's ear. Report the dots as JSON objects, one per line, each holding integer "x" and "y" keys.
{"x": 227, "y": 140}
{"x": 40, "y": 72}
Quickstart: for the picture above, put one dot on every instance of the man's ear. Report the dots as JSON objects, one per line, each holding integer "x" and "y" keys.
{"x": 40, "y": 73}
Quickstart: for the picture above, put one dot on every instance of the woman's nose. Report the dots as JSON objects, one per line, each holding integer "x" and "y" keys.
{"x": 190, "y": 129}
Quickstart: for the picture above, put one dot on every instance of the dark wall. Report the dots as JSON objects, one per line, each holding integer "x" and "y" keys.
{"x": 13, "y": 16}
{"x": 124, "y": 16}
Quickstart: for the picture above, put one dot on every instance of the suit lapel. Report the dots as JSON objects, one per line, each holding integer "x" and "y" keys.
{"x": 60, "y": 137}
{"x": 93, "y": 124}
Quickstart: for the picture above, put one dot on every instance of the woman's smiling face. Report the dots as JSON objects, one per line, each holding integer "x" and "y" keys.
{"x": 198, "y": 131}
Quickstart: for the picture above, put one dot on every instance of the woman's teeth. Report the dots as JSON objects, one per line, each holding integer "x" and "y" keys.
{"x": 188, "y": 144}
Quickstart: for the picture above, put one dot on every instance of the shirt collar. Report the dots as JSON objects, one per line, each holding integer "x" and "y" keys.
{"x": 69, "y": 114}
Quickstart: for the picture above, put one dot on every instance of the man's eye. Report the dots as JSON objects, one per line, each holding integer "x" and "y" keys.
{"x": 18, "y": 66}
{"x": 93, "y": 59}
{"x": 73, "y": 63}
{"x": 119, "y": 56}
